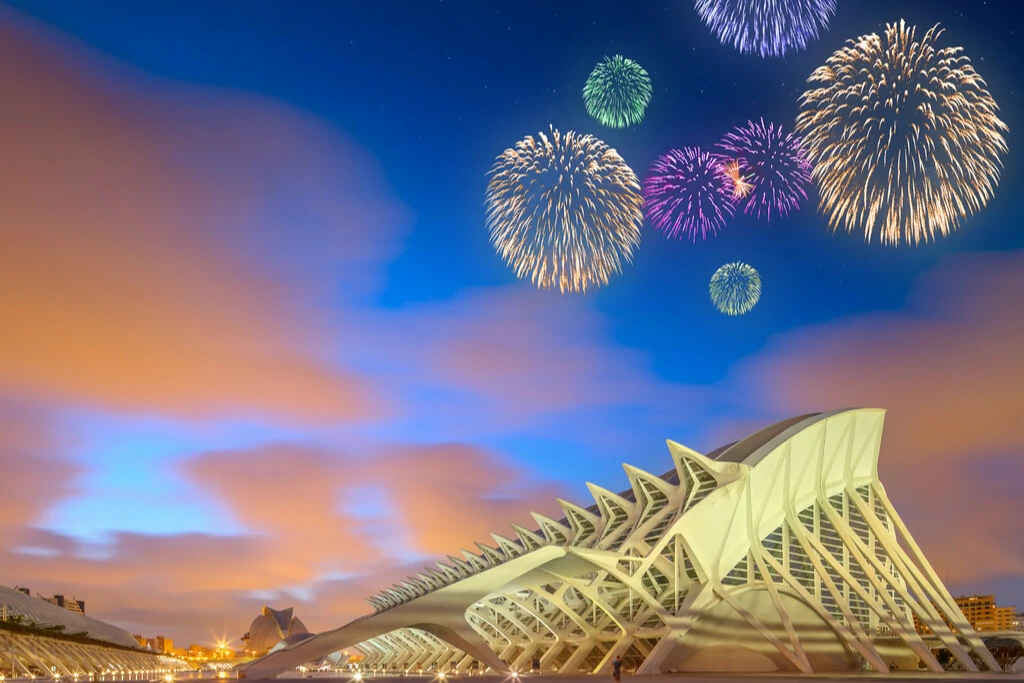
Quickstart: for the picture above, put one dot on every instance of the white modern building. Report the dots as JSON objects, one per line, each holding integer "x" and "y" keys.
{"x": 780, "y": 552}
{"x": 274, "y": 628}
{"x": 38, "y": 639}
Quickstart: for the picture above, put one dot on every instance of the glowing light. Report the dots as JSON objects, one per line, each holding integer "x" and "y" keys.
{"x": 904, "y": 136}
{"x": 564, "y": 210}
{"x": 688, "y": 193}
{"x": 775, "y": 164}
{"x": 740, "y": 187}
{"x": 617, "y": 92}
{"x": 769, "y": 29}
{"x": 735, "y": 288}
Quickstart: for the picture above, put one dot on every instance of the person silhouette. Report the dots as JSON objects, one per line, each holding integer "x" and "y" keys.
{"x": 617, "y": 668}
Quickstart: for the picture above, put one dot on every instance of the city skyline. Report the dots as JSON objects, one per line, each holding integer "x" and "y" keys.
{"x": 258, "y": 348}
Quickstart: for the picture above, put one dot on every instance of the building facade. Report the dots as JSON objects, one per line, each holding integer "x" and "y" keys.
{"x": 69, "y": 604}
{"x": 984, "y": 615}
{"x": 780, "y": 552}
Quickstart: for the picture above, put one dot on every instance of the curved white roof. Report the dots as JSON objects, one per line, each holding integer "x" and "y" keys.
{"x": 43, "y": 613}
{"x": 272, "y": 627}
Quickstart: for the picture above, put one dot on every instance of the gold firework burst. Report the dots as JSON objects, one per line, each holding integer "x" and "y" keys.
{"x": 904, "y": 136}
{"x": 564, "y": 210}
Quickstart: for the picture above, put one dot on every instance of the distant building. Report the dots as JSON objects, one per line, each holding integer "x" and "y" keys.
{"x": 198, "y": 652}
{"x": 272, "y": 627}
{"x": 18, "y": 603}
{"x": 67, "y": 603}
{"x": 982, "y": 614}
{"x": 158, "y": 644}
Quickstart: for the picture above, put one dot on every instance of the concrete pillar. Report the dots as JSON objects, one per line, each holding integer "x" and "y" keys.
{"x": 573, "y": 665}
{"x": 549, "y": 656}
{"x": 620, "y": 647}
{"x": 652, "y": 664}
{"x": 522, "y": 662}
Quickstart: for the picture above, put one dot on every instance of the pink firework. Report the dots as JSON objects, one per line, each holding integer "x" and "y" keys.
{"x": 774, "y": 162}
{"x": 688, "y": 193}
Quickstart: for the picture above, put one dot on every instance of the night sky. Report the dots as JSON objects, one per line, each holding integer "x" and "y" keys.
{"x": 257, "y": 348}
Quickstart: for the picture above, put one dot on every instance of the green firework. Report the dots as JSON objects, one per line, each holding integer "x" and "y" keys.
{"x": 617, "y": 92}
{"x": 735, "y": 288}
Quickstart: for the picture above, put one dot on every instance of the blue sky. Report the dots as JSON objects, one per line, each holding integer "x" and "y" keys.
{"x": 279, "y": 247}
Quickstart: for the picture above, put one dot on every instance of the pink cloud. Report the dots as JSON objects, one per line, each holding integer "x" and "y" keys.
{"x": 438, "y": 499}
{"x": 34, "y": 474}
{"x": 446, "y": 496}
{"x": 134, "y": 254}
{"x": 293, "y": 497}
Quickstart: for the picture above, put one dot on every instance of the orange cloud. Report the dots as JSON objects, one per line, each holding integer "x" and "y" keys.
{"x": 439, "y": 499}
{"x": 132, "y": 259}
{"x": 446, "y": 496}
{"x": 950, "y": 372}
{"x": 294, "y": 497}
{"x": 948, "y": 369}
{"x": 34, "y": 475}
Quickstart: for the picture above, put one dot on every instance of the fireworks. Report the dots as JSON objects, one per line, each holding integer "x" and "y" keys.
{"x": 564, "y": 210}
{"x": 770, "y": 28}
{"x": 688, "y": 193}
{"x": 735, "y": 288}
{"x": 903, "y": 134}
{"x": 774, "y": 163}
{"x": 617, "y": 92}
{"x": 740, "y": 185}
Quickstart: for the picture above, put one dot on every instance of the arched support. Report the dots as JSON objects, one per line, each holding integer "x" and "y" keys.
{"x": 467, "y": 640}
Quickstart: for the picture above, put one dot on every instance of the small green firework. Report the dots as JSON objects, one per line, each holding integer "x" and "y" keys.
{"x": 735, "y": 288}
{"x": 617, "y": 92}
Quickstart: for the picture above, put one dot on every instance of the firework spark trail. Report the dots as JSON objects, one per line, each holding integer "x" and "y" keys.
{"x": 735, "y": 288}
{"x": 775, "y": 164}
{"x": 688, "y": 193}
{"x": 617, "y": 92}
{"x": 741, "y": 187}
{"x": 564, "y": 210}
{"x": 904, "y": 136}
{"x": 770, "y": 28}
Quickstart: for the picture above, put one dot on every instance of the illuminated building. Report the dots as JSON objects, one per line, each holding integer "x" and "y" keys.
{"x": 38, "y": 635}
{"x": 983, "y": 614}
{"x": 780, "y": 552}
{"x": 160, "y": 644}
{"x": 47, "y": 612}
{"x": 273, "y": 627}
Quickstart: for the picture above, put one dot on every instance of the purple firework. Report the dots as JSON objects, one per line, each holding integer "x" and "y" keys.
{"x": 768, "y": 28}
{"x": 775, "y": 164}
{"x": 688, "y": 193}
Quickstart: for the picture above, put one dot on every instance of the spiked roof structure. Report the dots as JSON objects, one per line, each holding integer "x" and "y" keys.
{"x": 780, "y": 552}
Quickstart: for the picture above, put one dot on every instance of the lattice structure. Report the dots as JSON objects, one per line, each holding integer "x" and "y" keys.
{"x": 32, "y": 656}
{"x": 779, "y": 552}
